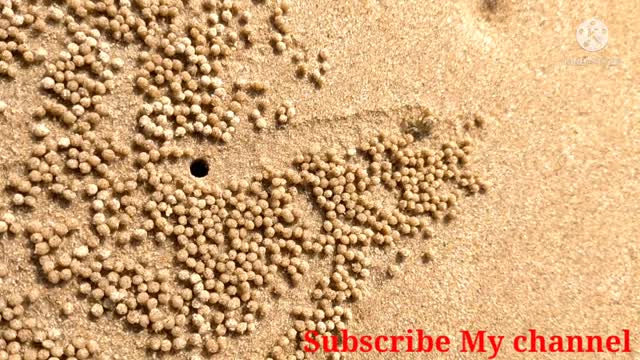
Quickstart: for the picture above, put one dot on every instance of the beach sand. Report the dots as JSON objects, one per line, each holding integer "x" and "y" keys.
{"x": 552, "y": 245}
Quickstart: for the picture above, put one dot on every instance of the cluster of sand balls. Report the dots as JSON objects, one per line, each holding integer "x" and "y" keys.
{"x": 184, "y": 76}
{"x": 182, "y": 67}
{"x": 16, "y": 19}
{"x": 79, "y": 79}
{"x": 230, "y": 244}
{"x": 429, "y": 184}
{"x": 56, "y": 166}
{"x": 127, "y": 21}
{"x": 316, "y": 75}
{"x": 236, "y": 242}
{"x": 187, "y": 94}
{"x": 26, "y": 337}
{"x": 285, "y": 113}
{"x": 281, "y": 38}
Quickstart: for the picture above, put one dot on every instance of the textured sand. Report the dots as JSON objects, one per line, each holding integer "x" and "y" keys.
{"x": 552, "y": 246}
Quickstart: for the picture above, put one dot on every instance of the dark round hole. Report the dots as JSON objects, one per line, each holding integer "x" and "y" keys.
{"x": 199, "y": 168}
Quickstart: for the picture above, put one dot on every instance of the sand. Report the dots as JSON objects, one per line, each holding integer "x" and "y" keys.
{"x": 551, "y": 246}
